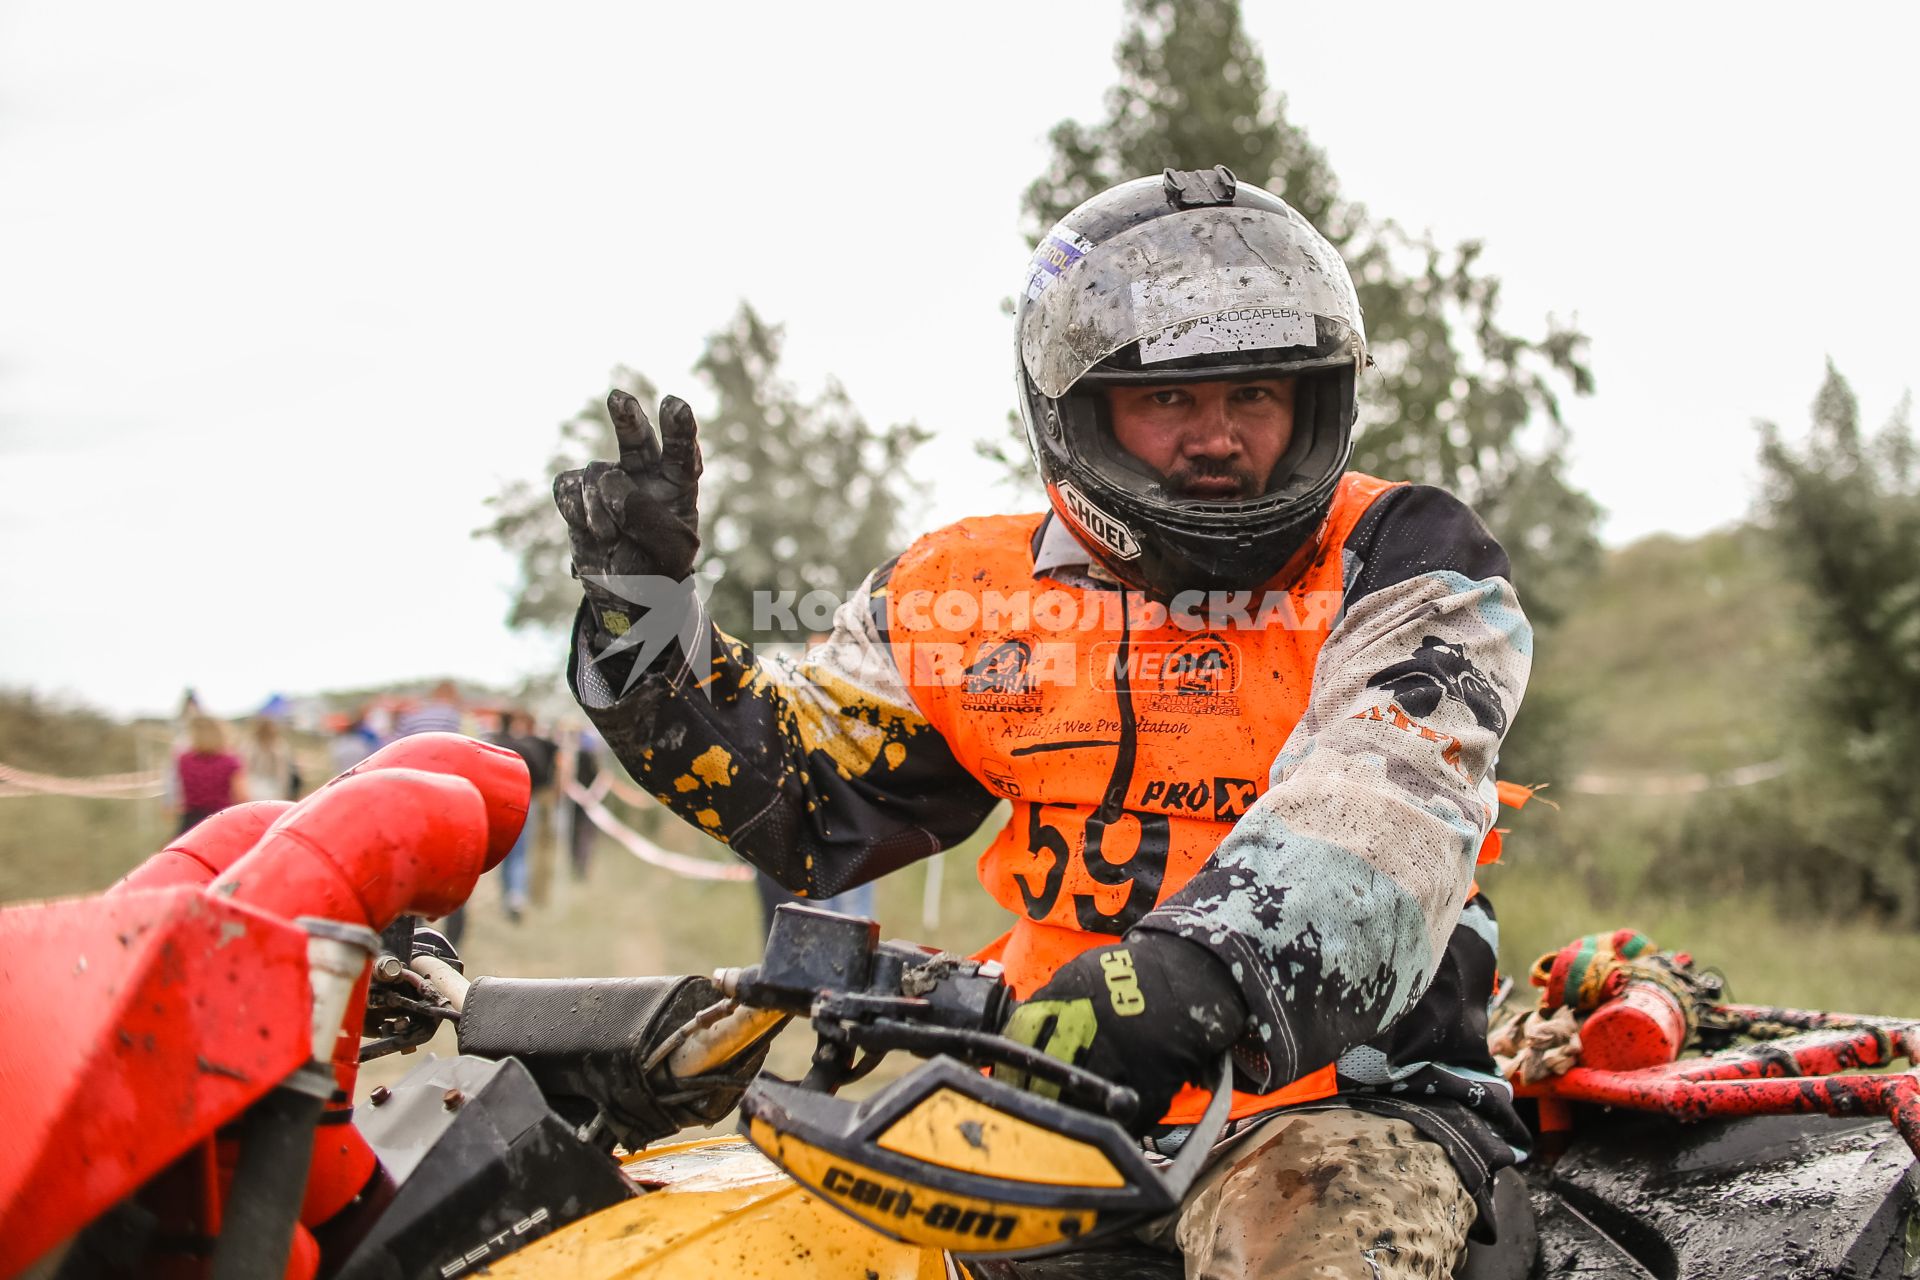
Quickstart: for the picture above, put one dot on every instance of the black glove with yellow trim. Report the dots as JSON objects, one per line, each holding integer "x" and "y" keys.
{"x": 1153, "y": 1012}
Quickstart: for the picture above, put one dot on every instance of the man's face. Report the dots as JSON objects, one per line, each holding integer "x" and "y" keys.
{"x": 1215, "y": 441}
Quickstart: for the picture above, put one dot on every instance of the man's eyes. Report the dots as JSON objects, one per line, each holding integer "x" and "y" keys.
{"x": 1169, "y": 397}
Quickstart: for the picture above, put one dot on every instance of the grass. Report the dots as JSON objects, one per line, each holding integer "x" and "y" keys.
{"x": 1591, "y": 865}
{"x": 1569, "y": 872}
{"x": 1673, "y": 659}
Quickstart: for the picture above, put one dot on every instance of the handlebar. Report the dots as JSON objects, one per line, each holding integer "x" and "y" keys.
{"x": 864, "y": 998}
{"x": 868, "y": 996}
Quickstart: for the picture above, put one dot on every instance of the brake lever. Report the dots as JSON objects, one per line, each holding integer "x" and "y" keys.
{"x": 1206, "y": 1131}
{"x": 714, "y": 1037}
{"x": 983, "y": 1049}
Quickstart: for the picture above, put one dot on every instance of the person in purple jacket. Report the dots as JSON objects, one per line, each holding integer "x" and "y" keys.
{"x": 207, "y": 776}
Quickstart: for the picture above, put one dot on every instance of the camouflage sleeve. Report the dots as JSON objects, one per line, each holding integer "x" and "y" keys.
{"x": 1333, "y": 898}
{"x": 820, "y": 770}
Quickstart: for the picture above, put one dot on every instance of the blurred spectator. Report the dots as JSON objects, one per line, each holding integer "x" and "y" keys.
{"x": 208, "y": 777}
{"x": 440, "y": 713}
{"x": 182, "y": 740}
{"x": 857, "y": 901}
{"x": 352, "y": 744}
{"x": 582, "y": 835}
{"x": 515, "y": 872}
{"x": 272, "y": 773}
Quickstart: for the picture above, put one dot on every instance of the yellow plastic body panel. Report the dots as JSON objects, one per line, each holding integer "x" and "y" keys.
{"x": 958, "y": 1132}
{"x": 919, "y": 1213}
{"x": 730, "y": 1216}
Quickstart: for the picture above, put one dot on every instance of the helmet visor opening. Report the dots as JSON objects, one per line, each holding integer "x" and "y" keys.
{"x": 1315, "y": 451}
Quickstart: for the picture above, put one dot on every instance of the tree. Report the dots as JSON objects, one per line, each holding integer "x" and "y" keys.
{"x": 1454, "y": 399}
{"x": 797, "y": 497}
{"x": 1843, "y": 509}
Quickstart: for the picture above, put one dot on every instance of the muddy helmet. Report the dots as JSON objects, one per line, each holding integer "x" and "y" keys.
{"x": 1188, "y": 277}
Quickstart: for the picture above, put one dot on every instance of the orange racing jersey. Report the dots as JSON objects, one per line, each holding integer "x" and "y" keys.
{"x": 1128, "y": 735}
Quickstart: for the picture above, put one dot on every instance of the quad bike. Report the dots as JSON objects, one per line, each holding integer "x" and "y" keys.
{"x": 184, "y": 1049}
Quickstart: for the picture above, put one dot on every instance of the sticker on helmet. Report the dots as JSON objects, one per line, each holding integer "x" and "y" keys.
{"x": 1061, "y": 249}
{"x": 1097, "y": 524}
{"x": 1221, "y": 309}
{"x": 1241, "y": 329}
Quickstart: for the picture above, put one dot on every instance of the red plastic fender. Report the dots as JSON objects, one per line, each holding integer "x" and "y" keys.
{"x": 139, "y": 1024}
{"x": 199, "y": 855}
{"x": 498, "y": 774}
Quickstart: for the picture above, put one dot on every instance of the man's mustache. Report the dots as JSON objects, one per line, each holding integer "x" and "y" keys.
{"x": 1247, "y": 484}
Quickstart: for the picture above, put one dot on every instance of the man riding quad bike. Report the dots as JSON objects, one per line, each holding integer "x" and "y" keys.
{"x": 1245, "y": 825}
{"x": 1245, "y": 705}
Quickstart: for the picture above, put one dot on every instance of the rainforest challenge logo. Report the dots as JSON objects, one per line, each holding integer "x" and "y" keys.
{"x": 1198, "y": 676}
{"x": 1001, "y": 678}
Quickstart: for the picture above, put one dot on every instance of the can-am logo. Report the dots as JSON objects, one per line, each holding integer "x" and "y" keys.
{"x": 976, "y": 1219}
{"x": 1097, "y": 524}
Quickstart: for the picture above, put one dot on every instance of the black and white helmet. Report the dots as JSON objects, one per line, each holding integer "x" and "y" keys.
{"x": 1192, "y": 276}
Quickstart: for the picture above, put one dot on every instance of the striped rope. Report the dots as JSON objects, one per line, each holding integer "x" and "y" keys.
{"x": 1675, "y": 784}
{"x": 642, "y": 848}
{"x": 626, "y": 791}
{"x": 107, "y": 786}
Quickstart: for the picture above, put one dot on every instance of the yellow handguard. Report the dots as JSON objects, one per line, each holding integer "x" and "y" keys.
{"x": 950, "y": 1158}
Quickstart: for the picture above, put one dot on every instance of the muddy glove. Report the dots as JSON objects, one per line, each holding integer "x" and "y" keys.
{"x": 1152, "y": 1013}
{"x": 635, "y": 525}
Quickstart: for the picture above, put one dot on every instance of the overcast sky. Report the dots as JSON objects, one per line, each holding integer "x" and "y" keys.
{"x": 285, "y": 294}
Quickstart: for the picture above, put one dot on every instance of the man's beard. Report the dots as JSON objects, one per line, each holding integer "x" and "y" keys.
{"x": 1207, "y": 480}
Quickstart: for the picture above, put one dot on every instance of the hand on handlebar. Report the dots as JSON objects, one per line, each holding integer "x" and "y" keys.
{"x": 1152, "y": 1013}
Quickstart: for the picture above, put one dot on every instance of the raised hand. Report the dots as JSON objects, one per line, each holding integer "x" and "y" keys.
{"x": 639, "y": 517}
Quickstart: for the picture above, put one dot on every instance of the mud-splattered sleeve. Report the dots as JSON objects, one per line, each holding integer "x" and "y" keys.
{"x": 1332, "y": 899}
{"x": 820, "y": 771}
